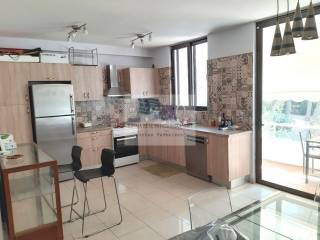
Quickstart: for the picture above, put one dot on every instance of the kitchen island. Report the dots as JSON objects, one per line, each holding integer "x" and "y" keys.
{"x": 30, "y": 188}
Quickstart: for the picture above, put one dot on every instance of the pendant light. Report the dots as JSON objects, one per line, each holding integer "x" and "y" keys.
{"x": 277, "y": 39}
{"x": 287, "y": 46}
{"x": 310, "y": 30}
{"x": 297, "y": 28}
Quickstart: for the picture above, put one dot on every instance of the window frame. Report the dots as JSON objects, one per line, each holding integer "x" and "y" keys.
{"x": 191, "y": 73}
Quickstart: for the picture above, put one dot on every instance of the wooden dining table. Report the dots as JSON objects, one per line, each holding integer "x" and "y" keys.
{"x": 311, "y": 143}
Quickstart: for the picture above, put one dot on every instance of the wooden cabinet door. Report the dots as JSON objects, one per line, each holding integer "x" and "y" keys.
{"x": 124, "y": 79}
{"x": 176, "y": 147}
{"x": 14, "y": 83}
{"x": 96, "y": 75}
{"x": 162, "y": 144}
{"x": 102, "y": 140}
{"x": 87, "y": 83}
{"x": 50, "y": 72}
{"x": 217, "y": 158}
{"x": 142, "y": 82}
{"x": 87, "y": 155}
{"x": 78, "y": 78}
{"x": 142, "y": 139}
{"x": 16, "y": 119}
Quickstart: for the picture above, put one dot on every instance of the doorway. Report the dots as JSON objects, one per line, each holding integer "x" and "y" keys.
{"x": 287, "y": 112}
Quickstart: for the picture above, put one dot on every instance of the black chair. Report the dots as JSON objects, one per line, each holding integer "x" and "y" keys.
{"x": 106, "y": 170}
{"x": 73, "y": 167}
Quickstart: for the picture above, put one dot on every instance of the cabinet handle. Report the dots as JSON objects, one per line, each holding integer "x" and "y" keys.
{"x": 88, "y": 95}
{"x": 28, "y": 109}
{"x": 84, "y": 95}
{"x": 26, "y": 97}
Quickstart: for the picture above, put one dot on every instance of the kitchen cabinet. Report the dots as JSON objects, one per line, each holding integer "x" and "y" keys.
{"x": 176, "y": 146}
{"x": 16, "y": 119}
{"x": 229, "y": 156}
{"x": 50, "y": 72}
{"x": 143, "y": 140}
{"x": 140, "y": 82}
{"x": 157, "y": 145}
{"x": 165, "y": 144}
{"x": 93, "y": 143}
{"x": 87, "y": 82}
{"x": 14, "y": 83}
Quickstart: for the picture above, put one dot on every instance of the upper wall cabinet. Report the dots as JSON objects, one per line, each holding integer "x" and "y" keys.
{"x": 14, "y": 83}
{"x": 140, "y": 82}
{"x": 87, "y": 82}
{"x": 50, "y": 72}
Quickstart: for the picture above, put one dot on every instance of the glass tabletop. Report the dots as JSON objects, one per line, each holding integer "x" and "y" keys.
{"x": 26, "y": 154}
{"x": 284, "y": 215}
{"x": 279, "y": 216}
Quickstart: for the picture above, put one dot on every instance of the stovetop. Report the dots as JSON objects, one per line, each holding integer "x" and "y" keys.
{"x": 124, "y": 131}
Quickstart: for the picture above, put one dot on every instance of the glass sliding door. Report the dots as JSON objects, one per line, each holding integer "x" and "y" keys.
{"x": 288, "y": 113}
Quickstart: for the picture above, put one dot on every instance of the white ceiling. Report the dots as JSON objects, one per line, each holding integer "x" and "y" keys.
{"x": 114, "y": 22}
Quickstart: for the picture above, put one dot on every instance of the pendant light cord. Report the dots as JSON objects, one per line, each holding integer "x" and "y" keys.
{"x": 288, "y": 2}
{"x": 278, "y": 10}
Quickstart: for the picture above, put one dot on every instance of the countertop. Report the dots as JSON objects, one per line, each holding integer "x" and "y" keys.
{"x": 197, "y": 128}
{"x": 212, "y": 130}
{"x": 169, "y": 124}
{"x": 93, "y": 128}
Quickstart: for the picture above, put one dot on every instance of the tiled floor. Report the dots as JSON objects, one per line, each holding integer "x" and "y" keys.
{"x": 291, "y": 176}
{"x": 153, "y": 208}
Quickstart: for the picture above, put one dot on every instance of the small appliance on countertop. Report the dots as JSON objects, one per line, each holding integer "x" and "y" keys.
{"x": 85, "y": 124}
{"x": 7, "y": 143}
{"x": 125, "y": 142}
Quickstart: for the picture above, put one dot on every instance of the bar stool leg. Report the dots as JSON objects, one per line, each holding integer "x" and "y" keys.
{"x": 104, "y": 195}
{"x": 115, "y": 186}
{"x": 84, "y": 206}
{"x": 72, "y": 201}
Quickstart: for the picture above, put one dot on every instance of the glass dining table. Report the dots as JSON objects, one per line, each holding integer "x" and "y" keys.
{"x": 280, "y": 216}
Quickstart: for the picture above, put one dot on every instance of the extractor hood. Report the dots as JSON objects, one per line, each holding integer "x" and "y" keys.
{"x": 113, "y": 83}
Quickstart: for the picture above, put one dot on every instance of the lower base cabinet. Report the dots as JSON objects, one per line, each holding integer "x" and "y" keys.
{"x": 229, "y": 157}
{"x": 93, "y": 143}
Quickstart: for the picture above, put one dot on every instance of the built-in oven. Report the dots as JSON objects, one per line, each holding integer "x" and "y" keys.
{"x": 126, "y": 146}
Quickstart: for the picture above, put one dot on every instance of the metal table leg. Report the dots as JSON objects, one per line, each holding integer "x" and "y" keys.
{"x": 307, "y": 161}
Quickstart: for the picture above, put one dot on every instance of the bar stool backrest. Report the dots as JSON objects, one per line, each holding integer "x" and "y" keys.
{"x": 76, "y": 158}
{"x": 107, "y": 162}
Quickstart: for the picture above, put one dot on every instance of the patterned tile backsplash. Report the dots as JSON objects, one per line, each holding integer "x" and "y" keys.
{"x": 230, "y": 83}
{"x": 107, "y": 111}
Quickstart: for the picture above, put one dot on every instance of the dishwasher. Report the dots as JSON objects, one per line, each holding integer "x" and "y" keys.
{"x": 196, "y": 156}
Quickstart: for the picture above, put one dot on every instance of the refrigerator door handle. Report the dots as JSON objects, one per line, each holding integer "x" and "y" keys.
{"x": 73, "y": 127}
{"x": 71, "y": 104}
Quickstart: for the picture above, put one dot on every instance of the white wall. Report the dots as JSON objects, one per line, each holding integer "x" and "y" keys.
{"x": 124, "y": 57}
{"x": 232, "y": 41}
{"x": 161, "y": 57}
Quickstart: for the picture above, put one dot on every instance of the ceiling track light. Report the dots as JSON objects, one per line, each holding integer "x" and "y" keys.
{"x": 75, "y": 29}
{"x": 140, "y": 36}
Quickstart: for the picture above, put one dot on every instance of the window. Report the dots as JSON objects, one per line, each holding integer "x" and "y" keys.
{"x": 189, "y": 62}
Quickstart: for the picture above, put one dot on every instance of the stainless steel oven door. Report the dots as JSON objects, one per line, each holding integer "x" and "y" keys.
{"x": 126, "y": 146}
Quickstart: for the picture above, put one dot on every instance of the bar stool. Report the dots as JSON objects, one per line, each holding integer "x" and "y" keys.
{"x": 106, "y": 170}
{"x": 72, "y": 167}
